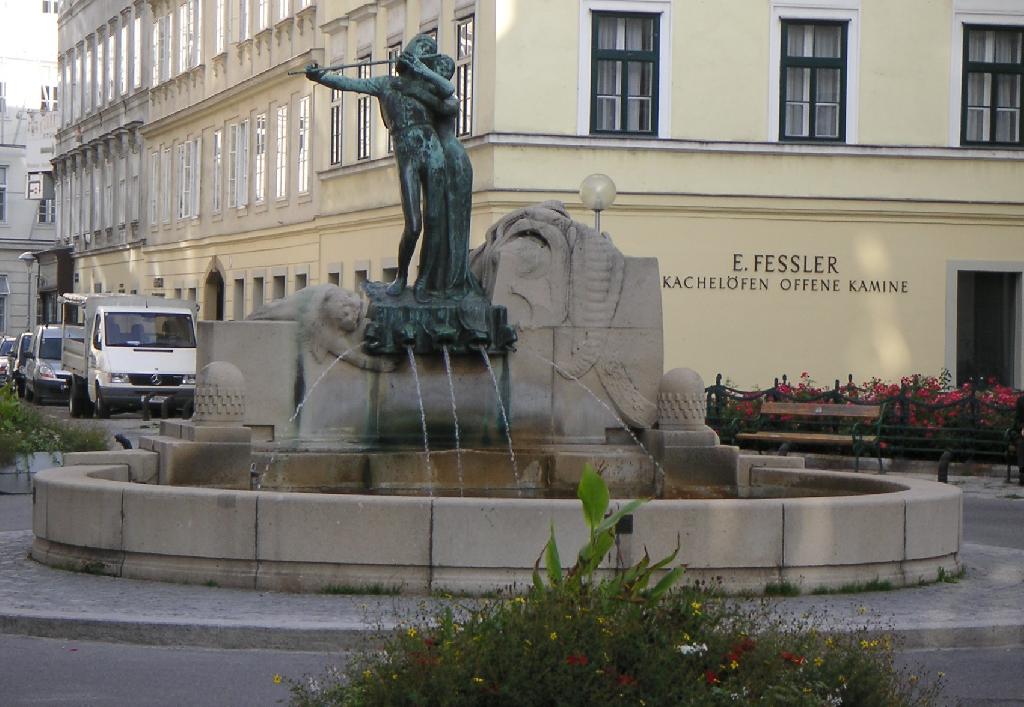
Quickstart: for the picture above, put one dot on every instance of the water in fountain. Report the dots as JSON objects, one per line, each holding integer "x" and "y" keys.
{"x": 319, "y": 378}
{"x": 596, "y": 397}
{"x": 455, "y": 417}
{"x": 423, "y": 416}
{"x": 504, "y": 417}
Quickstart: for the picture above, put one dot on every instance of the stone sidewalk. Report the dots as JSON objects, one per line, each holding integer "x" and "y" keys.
{"x": 985, "y": 608}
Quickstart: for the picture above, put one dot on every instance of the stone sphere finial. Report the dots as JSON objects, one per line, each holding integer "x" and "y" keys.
{"x": 220, "y": 394}
{"x": 681, "y": 401}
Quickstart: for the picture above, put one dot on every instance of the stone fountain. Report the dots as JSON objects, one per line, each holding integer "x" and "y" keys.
{"x": 428, "y": 437}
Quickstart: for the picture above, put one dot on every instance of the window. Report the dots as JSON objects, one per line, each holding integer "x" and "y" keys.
{"x": 107, "y": 215}
{"x": 232, "y": 165}
{"x": 137, "y": 52}
{"x": 464, "y": 75}
{"x": 49, "y": 6}
{"x": 813, "y": 81}
{"x": 184, "y": 37}
{"x": 301, "y": 280}
{"x": 239, "y": 299}
{"x": 122, "y": 191}
{"x": 336, "y": 113}
{"x": 3, "y": 194}
{"x": 257, "y": 292}
{"x": 87, "y": 80}
{"x": 48, "y": 98}
{"x": 218, "y": 168}
{"x": 262, "y": 12}
{"x": 154, "y": 186}
{"x": 188, "y": 179}
{"x": 111, "y": 67}
{"x": 220, "y": 30}
{"x": 47, "y": 211}
{"x": 3, "y": 97}
{"x": 136, "y": 196}
{"x": 165, "y": 47}
{"x": 302, "y": 146}
{"x": 394, "y": 51}
{"x": 283, "y": 9}
{"x": 260, "y": 169}
{"x": 243, "y": 20}
{"x": 123, "y": 74}
{"x": 243, "y": 163}
{"x": 993, "y": 72}
{"x": 279, "y": 287}
{"x": 624, "y": 73}
{"x": 155, "y": 58}
{"x": 363, "y": 114}
{"x": 165, "y": 164}
{"x": 281, "y": 162}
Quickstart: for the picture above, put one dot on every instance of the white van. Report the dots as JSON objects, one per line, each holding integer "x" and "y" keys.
{"x": 137, "y": 350}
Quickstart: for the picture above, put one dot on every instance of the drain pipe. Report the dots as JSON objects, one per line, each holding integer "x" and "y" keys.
{"x": 944, "y": 460}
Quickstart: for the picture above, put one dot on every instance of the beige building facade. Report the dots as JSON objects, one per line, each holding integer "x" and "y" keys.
{"x": 831, "y": 186}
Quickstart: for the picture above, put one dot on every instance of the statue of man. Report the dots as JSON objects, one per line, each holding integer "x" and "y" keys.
{"x": 419, "y": 154}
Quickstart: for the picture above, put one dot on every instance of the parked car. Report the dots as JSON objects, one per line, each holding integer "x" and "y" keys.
{"x": 6, "y": 346}
{"x": 44, "y": 376}
{"x": 17, "y": 359}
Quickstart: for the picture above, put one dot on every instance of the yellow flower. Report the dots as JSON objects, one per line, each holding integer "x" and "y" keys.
{"x": 829, "y": 642}
{"x": 686, "y": 637}
{"x": 411, "y": 632}
{"x": 733, "y": 664}
{"x": 819, "y": 661}
{"x": 941, "y": 674}
{"x": 601, "y": 620}
{"x": 367, "y": 675}
{"x": 519, "y": 600}
{"x": 842, "y": 680}
{"x": 695, "y": 607}
{"x": 394, "y": 676}
{"x": 277, "y": 679}
{"x": 478, "y": 680}
{"x": 862, "y": 610}
{"x": 807, "y": 690}
{"x": 553, "y": 636}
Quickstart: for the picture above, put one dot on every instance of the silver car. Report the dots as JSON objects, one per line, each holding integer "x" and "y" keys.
{"x": 44, "y": 377}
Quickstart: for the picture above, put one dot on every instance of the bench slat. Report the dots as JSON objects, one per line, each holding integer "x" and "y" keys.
{"x": 864, "y": 412}
{"x": 803, "y": 437}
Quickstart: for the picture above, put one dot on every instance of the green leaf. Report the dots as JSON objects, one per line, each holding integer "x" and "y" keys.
{"x": 663, "y": 585}
{"x": 611, "y": 521}
{"x": 593, "y": 492}
{"x": 552, "y": 561}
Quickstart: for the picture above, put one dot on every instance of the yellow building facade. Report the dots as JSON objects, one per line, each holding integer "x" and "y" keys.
{"x": 830, "y": 186}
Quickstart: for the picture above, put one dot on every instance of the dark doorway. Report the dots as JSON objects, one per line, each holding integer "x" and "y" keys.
{"x": 213, "y": 296}
{"x": 986, "y": 325}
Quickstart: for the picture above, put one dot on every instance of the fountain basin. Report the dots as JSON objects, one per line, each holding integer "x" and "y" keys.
{"x": 105, "y": 509}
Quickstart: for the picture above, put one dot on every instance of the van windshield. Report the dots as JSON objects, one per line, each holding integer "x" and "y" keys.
{"x": 6, "y": 346}
{"x": 150, "y": 329}
{"x": 49, "y": 348}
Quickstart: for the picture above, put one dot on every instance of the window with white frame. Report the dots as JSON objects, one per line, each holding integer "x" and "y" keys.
{"x": 111, "y": 58}
{"x": 259, "y": 173}
{"x": 184, "y": 37}
{"x": 154, "y": 58}
{"x": 3, "y": 97}
{"x": 262, "y": 14}
{"x": 47, "y": 98}
{"x": 187, "y": 179}
{"x": 87, "y": 91}
{"x": 107, "y": 215}
{"x": 165, "y": 174}
{"x": 96, "y": 221}
{"x": 3, "y": 193}
{"x": 218, "y": 168}
{"x": 464, "y": 74}
{"x": 232, "y": 165}
{"x": 813, "y": 80}
{"x": 220, "y": 21}
{"x": 47, "y": 212}
{"x": 283, "y": 9}
{"x": 135, "y": 162}
{"x": 993, "y": 69}
{"x": 165, "y": 47}
{"x": 625, "y": 64}
{"x": 302, "y": 146}
{"x": 122, "y": 191}
{"x": 243, "y": 163}
{"x": 243, "y": 20}
{"x": 363, "y": 113}
{"x": 281, "y": 163}
{"x": 49, "y": 6}
{"x": 336, "y": 124}
{"x": 137, "y": 52}
{"x": 123, "y": 64}
{"x": 77, "y": 205}
{"x": 154, "y": 187}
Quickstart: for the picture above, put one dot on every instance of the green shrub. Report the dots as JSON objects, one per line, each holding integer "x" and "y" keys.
{"x": 24, "y": 430}
{"x": 577, "y": 640}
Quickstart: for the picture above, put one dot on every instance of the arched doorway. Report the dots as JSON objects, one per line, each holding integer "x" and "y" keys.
{"x": 213, "y": 296}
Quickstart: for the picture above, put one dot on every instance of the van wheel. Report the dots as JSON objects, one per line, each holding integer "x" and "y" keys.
{"x": 78, "y": 403}
{"x": 102, "y": 409}
{"x": 29, "y": 394}
{"x": 21, "y": 388}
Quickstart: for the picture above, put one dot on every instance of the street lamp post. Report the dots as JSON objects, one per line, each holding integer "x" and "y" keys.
{"x": 29, "y": 259}
{"x": 597, "y": 193}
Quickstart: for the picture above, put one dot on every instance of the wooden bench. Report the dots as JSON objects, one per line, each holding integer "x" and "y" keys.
{"x": 819, "y": 425}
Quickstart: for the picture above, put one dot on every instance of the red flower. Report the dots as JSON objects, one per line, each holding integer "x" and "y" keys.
{"x": 577, "y": 659}
{"x": 711, "y": 677}
{"x": 793, "y": 658}
{"x": 744, "y": 646}
{"x": 626, "y": 680}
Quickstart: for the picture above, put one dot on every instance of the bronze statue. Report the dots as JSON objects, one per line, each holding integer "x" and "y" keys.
{"x": 419, "y": 109}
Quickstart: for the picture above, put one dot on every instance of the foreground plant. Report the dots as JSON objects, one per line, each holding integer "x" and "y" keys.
{"x": 24, "y": 430}
{"x": 582, "y": 639}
